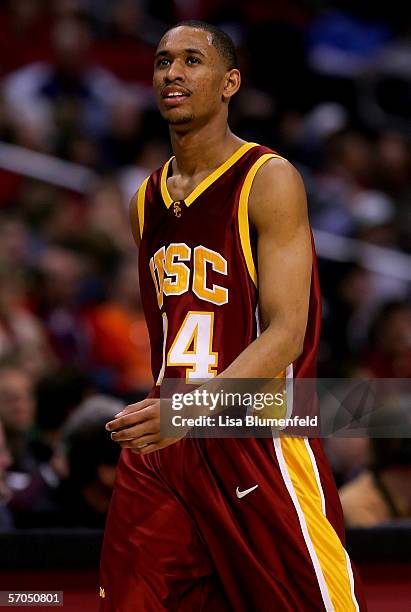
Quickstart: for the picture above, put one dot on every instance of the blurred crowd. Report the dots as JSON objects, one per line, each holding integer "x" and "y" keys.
{"x": 327, "y": 84}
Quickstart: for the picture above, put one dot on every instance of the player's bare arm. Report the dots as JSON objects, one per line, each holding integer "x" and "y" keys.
{"x": 284, "y": 273}
{"x": 278, "y": 210}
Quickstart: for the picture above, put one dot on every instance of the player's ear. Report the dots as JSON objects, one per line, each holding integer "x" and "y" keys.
{"x": 232, "y": 82}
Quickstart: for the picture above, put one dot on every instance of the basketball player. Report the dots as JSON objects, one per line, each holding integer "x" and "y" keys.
{"x": 221, "y": 524}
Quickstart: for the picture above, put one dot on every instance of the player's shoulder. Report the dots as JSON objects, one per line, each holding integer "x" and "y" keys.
{"x": 277, "y": 187}
{"x": 274, "y": 166}
{"x": 275, "y": 174}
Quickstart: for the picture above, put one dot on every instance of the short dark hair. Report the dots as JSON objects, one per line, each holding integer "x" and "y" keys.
{"x": 85, "y": 441}
{"x": 220, "y": 40}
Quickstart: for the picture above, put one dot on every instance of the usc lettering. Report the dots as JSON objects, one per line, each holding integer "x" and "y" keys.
{"x": 172, "y": 276}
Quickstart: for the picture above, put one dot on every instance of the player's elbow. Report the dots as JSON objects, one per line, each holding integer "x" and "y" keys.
{"x": 294, "y": 339}
{"x": 288, "y": 339}
{"x": 296, "y": 328}
{"x": 297, "y": 345}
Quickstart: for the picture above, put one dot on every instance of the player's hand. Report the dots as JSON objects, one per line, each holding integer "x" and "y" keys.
{"x": 137, "y": 427}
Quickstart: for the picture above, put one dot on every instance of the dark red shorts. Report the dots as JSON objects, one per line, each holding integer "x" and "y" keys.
{"x": 189, "y": 530}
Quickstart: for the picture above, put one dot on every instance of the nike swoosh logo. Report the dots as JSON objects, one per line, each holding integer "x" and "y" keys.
{"x": 241, "y": 494}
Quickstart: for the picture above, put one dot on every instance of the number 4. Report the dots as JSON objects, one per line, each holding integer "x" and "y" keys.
{"x": 192, "y": 347}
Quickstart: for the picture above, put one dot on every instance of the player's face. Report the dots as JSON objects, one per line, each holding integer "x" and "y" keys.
{"x": 189, "y": 76}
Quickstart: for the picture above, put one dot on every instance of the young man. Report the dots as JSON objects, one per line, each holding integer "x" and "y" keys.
{"x": 188, "y": 528}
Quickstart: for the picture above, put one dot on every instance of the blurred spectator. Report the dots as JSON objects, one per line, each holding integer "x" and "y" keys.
{"x": 6, "y": 522}
{"x": 123, "y": 49}
{"x": 348, "y": 305}
{"x": 389, "y": 354}
{"x": 14, "y": 241}
{"x": 394, "y": 164}
{"x": 346, "y": 172}
{"x": 123, "y": 140}
{"x": 70, "y": 93}
{"x": 60, "y": 273}
{"x": 74, "y": 488}
{"x": 120, "y": 342}
{"x": 384, "y": 90}
{"x": 17, "y": 411}
{"x": 153, "y": 153}
{"x": 34, "y": 502}
{"x": 382, "y": 492}
{"x": 348, "y": 457}
{"x": 22, "y": 21}
{"x": 341, "y": 43}
{"x": 91, "y": 461}
{"x": 58, "y": 393}
{"x": 108, "y": 215}
{"x": 393, "y": 175}
{"x": 22, "y": 335}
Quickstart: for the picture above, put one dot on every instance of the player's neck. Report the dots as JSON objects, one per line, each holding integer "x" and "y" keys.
{"x": 203, "y": 149}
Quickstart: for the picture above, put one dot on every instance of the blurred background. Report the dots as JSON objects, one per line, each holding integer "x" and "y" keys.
{"x": 326, "y": 84}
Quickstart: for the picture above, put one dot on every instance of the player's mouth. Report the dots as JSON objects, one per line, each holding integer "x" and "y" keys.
{"x": 174, "y": 96}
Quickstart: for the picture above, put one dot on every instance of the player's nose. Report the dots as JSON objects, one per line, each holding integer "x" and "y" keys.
{"x": 175, "y": 72}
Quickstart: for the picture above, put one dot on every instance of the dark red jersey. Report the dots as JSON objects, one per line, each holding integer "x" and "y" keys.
{"x": 198, "y": 275}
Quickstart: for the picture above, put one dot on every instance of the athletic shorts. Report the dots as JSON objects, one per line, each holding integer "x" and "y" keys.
{"x": 227, "y": 524}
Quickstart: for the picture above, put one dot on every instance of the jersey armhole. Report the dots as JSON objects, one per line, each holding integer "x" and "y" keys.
{"x": 243, "y": 220}
{"x": 141, "y": 200}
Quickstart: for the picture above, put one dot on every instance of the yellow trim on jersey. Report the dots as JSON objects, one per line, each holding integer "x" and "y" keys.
{"x": 243, "y": 224}
{"x": 327, "y": 545}
{"x": 141, "y": 198}
{"x": 168, "y": 200}
{"x": 163, "y": 184}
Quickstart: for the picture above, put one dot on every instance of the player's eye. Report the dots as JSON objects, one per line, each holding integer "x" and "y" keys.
{"x": 191, "y": 59}
{"x": 162, "y": 61}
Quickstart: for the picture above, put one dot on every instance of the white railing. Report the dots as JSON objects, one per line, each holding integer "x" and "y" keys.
{"x": 388, "y": 262}
{"x": 46, "y": 168}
